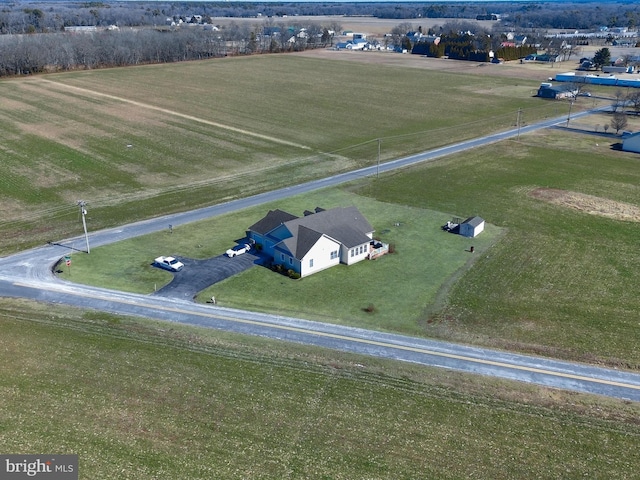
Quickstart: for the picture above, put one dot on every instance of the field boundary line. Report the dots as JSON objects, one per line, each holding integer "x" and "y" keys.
{"x": 178, "y": 114}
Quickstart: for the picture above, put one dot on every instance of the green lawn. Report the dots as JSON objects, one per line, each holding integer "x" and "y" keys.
{"x": 144, "y": 400}
{"x": 400, "y": 286}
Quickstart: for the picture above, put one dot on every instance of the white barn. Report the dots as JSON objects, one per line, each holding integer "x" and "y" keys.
{"x": 471, "y": 227}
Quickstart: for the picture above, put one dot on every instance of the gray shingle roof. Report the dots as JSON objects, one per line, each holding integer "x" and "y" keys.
{"x": 270, "y": 221}
{"x": 346, "y": 225}
{"x": 474, "y": 221}
{"x": 301, "y": 243}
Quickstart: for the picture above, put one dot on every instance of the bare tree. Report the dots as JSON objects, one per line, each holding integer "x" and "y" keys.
{"x": 399, "y": 32}
{"x": 335, "y": 27}
{"x": 619, "y": 121}
{"x": 618, "y": 101}
{"x": 633, "y": 100}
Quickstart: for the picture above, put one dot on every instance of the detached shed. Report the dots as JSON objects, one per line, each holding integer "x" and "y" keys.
{"x": 472, "y": 227}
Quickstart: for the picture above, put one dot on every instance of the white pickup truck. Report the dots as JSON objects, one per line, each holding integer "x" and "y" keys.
{"x": 169, "y": 263}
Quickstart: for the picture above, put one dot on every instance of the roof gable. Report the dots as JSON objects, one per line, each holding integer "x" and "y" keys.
{"x": 344, "y": 224}
{"x": 302, "y": 241}
{"x": 474, "y": 221}
{"x": 271, "y": 220}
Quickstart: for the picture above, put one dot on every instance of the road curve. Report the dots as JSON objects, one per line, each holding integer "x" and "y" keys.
{"x": 29, "y": 275}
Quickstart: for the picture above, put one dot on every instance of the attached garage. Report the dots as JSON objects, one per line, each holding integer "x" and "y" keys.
{"x": 471, "y": 227}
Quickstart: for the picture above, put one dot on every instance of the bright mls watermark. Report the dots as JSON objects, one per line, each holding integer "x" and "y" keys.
{"x": 48, "y": 467}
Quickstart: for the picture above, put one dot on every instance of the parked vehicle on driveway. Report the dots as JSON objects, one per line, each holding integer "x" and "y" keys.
{"x": 239, "y": 250}
{"x": 169, "y": 263}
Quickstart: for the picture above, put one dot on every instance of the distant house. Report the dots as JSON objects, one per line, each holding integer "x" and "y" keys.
{"x": 631, "y": 143}
{"x": 520, "y": 39}
{"x": 316, "y": 241}
{"x": 357, "y": 44}
{"x": 548, "y": 90}
{"x": 471, "y": 227}
{"x": 544, "y": 57}
{"x": 81, "y": 29}
{"x": 271, "y": 31}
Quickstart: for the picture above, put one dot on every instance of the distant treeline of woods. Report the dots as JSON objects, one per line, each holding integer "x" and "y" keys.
{"x": 34, "y": 39}
{"x": 52, "y": 52}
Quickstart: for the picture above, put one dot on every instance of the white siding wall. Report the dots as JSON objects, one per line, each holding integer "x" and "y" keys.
{"x": 321, "y": 256}
{"x": 355, "y": 254}
{"x": 468, "y": 230}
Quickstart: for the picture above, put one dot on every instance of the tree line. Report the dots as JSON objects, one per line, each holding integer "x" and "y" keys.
{"x": 53, "y": 16}
{"x": 53, "y": 52}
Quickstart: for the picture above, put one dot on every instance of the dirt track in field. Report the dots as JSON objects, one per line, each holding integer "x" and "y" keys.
{"x": 176, "y": 114}
{"x": 589, "y": 204}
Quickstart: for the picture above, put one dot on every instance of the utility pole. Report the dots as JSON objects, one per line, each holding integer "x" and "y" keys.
{"x": 519, "y": 112}
{"x": 569, "y": 115}
{"x": 83, "y": 212}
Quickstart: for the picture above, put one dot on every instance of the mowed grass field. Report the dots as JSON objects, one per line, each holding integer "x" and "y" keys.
{"x": 399, "y": 287}
{"x": 145, "y": 141}
{"x": 145, "y": 400}
{"x": 556, "y": 267}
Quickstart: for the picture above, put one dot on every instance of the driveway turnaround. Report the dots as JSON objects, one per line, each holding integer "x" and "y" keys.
{"x": 200, "y": 274}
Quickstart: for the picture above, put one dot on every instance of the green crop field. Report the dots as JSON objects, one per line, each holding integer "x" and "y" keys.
{"x": 143, "y": 400}
{"x": 139, "y": 142}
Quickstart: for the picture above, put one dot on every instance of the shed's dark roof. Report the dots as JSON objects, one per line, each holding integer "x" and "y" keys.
{"x": 474, "y": 221}
{"x": 270, "y": 221}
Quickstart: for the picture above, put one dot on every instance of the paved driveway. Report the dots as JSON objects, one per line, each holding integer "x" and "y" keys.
{"x": 200, "y": 274}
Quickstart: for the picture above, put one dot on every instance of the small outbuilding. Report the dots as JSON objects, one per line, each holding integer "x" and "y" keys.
{"x": 471, "y": 227}
{"x": 548, "y": 90}
{"x": 631, "y": 143}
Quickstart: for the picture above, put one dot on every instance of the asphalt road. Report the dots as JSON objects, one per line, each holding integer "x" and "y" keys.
{"x": 29, "y": 275}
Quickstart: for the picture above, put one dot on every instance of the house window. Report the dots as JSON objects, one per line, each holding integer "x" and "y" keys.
{"x": 282, "y": 257}
{"x": 334, "y": 254}
{"x": 290, "y": 261}
{"x": 353, "y": 252}
{"x": 311, "y": 263}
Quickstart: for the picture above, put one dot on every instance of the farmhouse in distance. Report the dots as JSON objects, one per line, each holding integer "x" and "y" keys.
{"x": 320, "y": 239}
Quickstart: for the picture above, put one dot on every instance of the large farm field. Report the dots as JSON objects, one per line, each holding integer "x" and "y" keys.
{"x": 217, "y": 141}
{"x": 141, "y": 400}
{"x": 140, "y": 142}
